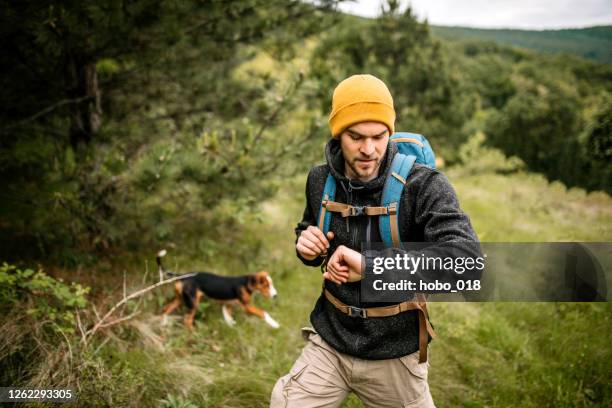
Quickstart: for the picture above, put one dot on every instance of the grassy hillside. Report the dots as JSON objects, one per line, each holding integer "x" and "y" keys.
{"x": 487, "y": 354}
{"x": 594, "y": 43}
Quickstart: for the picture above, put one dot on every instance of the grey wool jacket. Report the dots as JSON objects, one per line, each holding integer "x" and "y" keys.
{"x": 429, "y": 212}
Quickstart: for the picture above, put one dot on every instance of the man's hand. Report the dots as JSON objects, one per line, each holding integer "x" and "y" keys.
{"x": 313, "y": 243}
{"x": 344, "y": 265}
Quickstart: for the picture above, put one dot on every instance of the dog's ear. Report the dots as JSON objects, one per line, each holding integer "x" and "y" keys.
{"x": 252, "y": 281}
{"x": 262, "y": 278}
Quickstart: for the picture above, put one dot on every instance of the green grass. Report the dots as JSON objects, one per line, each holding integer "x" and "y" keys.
{"x": 524, "y": 207}
{"x": 486, "y": 355}
{"x": 494, "y": 354}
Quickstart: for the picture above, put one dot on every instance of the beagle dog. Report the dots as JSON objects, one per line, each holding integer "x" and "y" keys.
{"x": 227, "y": 290}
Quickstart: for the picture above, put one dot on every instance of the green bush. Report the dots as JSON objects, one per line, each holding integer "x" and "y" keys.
{"x": 476, "y": 158}
{"x": 43, "y": 296}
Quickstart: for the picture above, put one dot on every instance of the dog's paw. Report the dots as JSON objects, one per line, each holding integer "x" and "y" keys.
{"x": 271, "y": 321}
{"x": 164, "y": 320}
{"x": 227, "y": 316}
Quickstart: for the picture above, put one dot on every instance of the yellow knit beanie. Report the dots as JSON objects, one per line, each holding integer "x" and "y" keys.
{"x": 361, "y": 98}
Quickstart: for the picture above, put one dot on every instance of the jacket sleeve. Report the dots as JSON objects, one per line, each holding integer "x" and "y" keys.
{"x": 308, "y": 218}
{"x": 437, "y": 213}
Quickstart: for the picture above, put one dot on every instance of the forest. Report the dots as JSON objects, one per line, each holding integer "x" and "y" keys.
{"x": 591, "y": 43}
{"x": 128, "y": 127}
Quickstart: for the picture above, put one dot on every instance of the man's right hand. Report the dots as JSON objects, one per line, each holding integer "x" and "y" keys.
{"x": 312, "y": 243}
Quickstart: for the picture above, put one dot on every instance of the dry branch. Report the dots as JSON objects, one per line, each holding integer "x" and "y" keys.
{"x": 101, "y": 323}
{"x": 121, "y": 319}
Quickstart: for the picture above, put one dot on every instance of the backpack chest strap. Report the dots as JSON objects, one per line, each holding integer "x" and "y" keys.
{"x": 347, "y": 210}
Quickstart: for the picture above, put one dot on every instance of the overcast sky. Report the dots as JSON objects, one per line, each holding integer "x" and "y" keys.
{"x": 527, "y": 14}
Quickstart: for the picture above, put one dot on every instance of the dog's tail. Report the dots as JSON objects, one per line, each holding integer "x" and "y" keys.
{"x": 160, "y": 267}
{"x": 159, "y": 257}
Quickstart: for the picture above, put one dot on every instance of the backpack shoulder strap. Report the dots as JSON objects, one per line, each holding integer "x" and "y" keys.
{"x": 392, "y": 192}
{"x": 329, "y": 192}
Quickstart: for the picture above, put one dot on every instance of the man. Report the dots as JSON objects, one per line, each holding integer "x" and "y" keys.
{"x": 377, "y": 358}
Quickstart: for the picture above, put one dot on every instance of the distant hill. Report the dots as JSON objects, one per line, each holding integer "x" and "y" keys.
{"x": 594, "y": 43}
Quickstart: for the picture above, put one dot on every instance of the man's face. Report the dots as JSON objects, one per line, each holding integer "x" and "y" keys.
{"x": 363, "y": 147}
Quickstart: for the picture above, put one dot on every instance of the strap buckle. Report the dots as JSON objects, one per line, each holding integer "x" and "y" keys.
{"x": 354, "y": 311}
{"x": 358, "y": 210}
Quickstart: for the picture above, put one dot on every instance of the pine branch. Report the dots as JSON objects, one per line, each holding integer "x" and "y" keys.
{"x": 50, "y": 109}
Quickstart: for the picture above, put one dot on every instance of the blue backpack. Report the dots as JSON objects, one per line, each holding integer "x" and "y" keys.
{"x": 412, "y": 148}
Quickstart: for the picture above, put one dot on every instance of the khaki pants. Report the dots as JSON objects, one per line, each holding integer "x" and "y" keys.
{"x": 323, "y": 377}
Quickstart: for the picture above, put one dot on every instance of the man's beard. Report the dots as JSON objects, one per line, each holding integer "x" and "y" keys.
{"x": 365, "y": 173}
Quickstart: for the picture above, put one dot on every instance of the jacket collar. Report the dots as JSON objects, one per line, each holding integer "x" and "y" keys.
{"x": 335, "y": 161}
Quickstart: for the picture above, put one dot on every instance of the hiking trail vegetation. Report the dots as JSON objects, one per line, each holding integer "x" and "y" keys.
{"x": 127, "y": 128}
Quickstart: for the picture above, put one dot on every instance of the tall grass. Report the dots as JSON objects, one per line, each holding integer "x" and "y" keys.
{"x": 497, "y": 354}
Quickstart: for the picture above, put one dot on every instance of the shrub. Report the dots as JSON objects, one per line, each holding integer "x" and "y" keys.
{"x": 43, "y": 296}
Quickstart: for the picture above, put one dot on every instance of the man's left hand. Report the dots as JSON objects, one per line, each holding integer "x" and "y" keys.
{"x": 344, "y": 265}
